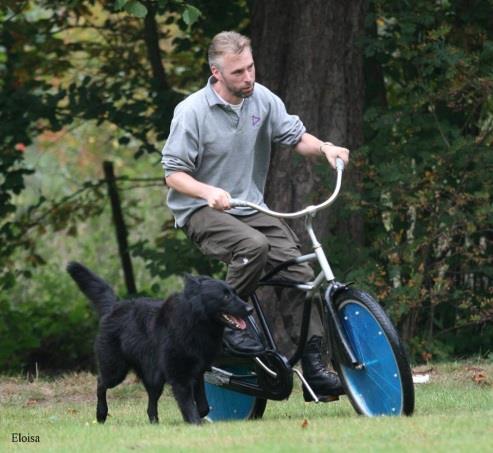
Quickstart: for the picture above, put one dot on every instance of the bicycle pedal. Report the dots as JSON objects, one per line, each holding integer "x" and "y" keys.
{"x": 321, "y": 399}
{"x": 328, "y": 398}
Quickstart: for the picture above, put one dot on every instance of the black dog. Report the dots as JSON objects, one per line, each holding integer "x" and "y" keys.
{"x": 173, "y": 341}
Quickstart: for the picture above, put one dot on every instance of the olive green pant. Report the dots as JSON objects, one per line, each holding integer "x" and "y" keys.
{"x": 251, "y": 246}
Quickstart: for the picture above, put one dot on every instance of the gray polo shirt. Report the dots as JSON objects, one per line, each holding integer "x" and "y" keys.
{"x": 216, "y": 146}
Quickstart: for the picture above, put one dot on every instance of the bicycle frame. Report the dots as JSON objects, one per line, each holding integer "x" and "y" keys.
{"x": 337, "y": 338}
{"x": 341, "y": 346}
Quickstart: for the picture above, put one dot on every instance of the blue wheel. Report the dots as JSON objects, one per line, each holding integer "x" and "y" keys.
{"x": 384, "y": 385}
{"x": 225, "y": 404}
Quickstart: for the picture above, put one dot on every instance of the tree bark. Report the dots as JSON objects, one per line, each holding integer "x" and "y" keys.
{"x": 310, "y": 54}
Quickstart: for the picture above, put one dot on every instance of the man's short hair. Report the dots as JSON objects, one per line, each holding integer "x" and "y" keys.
{"x": 227, "y": 42}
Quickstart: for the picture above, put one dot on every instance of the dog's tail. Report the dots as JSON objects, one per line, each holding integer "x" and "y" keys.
{"x": 95, "y": 288}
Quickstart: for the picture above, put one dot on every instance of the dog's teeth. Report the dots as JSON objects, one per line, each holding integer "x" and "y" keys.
{"x": 232, "y": 320}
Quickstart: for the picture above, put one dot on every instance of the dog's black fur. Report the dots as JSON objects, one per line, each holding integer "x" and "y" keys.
{"x": 173, "y": 341}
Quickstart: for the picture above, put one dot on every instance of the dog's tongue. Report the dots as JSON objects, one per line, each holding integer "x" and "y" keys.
{"x": 241, "y": 323}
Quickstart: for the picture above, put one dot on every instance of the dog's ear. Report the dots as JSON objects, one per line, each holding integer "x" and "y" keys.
{"x": 192, "y": 286}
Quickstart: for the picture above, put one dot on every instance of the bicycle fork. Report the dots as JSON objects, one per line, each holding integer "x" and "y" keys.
{"x": 339, "y": 344}
{"x": 341, "y": 348}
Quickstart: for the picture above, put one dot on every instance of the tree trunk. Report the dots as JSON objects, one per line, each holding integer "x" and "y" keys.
{"x": 151, "y": 37}
{"x": 310, "y": 54}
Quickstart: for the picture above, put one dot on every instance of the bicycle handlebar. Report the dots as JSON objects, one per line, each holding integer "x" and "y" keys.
{"x": 308, "y": 210}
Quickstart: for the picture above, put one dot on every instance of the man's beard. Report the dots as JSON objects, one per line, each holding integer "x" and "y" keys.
{"x": 242, "y": 93}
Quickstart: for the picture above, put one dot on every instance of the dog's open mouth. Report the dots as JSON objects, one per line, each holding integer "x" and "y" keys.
{"x": 233, "y": 321}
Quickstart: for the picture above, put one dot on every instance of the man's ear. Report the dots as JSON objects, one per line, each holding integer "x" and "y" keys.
{"x": 192, "y": 286}
{"x": 216, "y": 73}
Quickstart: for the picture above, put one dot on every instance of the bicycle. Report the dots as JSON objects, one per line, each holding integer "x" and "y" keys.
{"x": 366, "y": 350}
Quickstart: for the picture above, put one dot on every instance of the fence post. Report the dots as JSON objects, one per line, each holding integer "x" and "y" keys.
{"x": 120, "y": 227}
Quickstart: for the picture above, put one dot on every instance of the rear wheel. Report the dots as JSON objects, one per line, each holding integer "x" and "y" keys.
{"x": 225, "y": 404}
{"x": 384, "y": 385}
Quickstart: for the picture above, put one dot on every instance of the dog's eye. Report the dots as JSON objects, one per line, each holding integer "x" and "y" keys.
{"x": 226, "y": 297}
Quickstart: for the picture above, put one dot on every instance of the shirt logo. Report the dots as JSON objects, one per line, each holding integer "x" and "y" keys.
{"x": 255, "y": 120}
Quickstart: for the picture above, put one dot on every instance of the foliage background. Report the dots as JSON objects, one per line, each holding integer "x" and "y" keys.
{"x": 80, "y": 83}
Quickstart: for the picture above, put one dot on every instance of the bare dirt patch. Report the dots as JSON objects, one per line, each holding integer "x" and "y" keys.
{"x": 69, "y": 388}
{"x": 477, "y": 372}
{"x": 81, "y": 387}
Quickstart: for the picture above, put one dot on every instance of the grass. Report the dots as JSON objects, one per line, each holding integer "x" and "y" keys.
{"x": 454, "y": 412}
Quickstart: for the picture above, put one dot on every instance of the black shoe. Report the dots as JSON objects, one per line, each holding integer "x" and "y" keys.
{"x": 326, "y": 384}
{"x": 242, "y": 342}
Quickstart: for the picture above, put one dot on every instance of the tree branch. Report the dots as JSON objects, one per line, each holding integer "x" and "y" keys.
{"x": 151, "y": 38}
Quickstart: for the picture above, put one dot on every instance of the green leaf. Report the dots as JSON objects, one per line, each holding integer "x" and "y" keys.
{"x": 119, "y": 4}
{"x": 191, "y": 15}
{"x": 136, "y": 8}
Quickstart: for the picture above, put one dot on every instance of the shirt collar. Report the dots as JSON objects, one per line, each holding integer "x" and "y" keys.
{"x": 210, "y": 94}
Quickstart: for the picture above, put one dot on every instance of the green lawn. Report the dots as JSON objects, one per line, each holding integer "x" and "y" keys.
{"x": 454, "y": 412}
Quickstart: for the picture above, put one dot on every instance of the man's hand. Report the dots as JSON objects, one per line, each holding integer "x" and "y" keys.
{"x": 218, "y": 198}
{"x": 332, "y": 152}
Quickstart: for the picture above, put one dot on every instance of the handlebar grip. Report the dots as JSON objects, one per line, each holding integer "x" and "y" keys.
{"x": 339, "y": 164}
{"x": 237, "y": 203}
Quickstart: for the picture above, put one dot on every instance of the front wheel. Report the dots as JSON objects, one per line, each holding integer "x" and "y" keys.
{"x": 384, "y": 385}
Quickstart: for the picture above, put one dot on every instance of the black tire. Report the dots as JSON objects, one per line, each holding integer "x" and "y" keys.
{"x": 384, "y": 386}
{"x": 258, "y": 409}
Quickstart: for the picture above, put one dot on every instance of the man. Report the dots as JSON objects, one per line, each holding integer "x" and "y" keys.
{"x": 219, "y": 148}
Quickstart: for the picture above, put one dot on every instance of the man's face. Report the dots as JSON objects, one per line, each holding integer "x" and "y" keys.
{"x": 236, "y": 74}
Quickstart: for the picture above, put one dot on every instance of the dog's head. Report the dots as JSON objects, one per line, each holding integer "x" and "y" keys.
{"x": 218, "y": 300}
